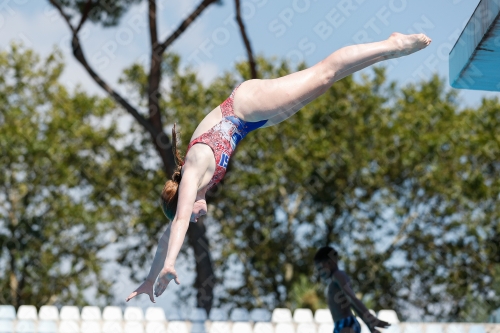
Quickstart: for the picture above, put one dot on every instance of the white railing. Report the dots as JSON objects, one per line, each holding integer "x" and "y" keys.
{"x": 69, "y": 319}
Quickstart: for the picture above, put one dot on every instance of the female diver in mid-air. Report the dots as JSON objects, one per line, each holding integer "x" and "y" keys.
{"x": 254, "y": 104}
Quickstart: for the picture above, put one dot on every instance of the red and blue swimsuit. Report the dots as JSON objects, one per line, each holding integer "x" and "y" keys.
{"x": 224, "y": 137}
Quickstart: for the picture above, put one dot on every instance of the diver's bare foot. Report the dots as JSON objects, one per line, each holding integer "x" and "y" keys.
{"x": 408, "y": 44}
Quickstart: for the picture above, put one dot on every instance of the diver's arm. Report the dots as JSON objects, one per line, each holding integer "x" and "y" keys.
{"x": 161, "y": 263}
{"x": 161, "y": 252}
{"x": 194, "y": 169}
{"x": 343, "y": 282}
{"x": 362, "y": 311}
{"x": 179, "y": 226}
{"x": 160, "y": 255}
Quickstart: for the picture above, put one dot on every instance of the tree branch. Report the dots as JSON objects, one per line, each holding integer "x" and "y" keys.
{"x": 153, "y": 31}
{"x": 154, "y": 93}
{"x": 246, "y": 40}
{"x": 88, "y": 6}
{"x": 185, "y": 24}
{"x": 78, "y": 53}
{"x": 159, "y": 138}
{"x": 63, "y": 14}
{"x": 154, "y": 78}
{"x": 402, "y": 229}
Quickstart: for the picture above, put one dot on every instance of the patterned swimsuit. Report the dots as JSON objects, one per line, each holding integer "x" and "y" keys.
{"x": 224, "y": 137}
{"x": 347, "y": 322}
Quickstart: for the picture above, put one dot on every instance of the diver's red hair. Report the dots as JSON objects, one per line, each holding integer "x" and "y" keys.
{"x": 169, "y": 195}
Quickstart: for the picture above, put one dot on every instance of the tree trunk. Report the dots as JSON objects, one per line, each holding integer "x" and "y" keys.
{"x": 205, "y": 277}
{"x": 196, "y": 233}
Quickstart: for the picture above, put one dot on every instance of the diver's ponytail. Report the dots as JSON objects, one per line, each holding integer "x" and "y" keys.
{"x": 169, "y": 195}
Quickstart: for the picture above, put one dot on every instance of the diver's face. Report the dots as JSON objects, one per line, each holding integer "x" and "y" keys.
{"x": 199, "y": 209}
{"x": 324, "y": 269}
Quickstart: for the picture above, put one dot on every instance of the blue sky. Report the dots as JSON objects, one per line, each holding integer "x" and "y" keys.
{"x": 300, "y": 30}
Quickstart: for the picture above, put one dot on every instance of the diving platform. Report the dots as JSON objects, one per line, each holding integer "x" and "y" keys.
{"x": 475, "y": 57}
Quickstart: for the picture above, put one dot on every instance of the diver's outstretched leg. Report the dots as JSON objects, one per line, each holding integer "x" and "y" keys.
{"x": 278, "y": 99}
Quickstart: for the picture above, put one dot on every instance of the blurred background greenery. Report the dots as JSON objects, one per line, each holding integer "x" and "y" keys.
{"x": 402, "y": 180}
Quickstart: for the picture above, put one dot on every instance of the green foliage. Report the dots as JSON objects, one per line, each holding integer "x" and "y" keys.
{"x": 401, "y": 180}
{"x": 63, "y": 198}
{"x": 105, "y": 12}
{"x": 305, "y": 294}
{"x": 404, "y": 183}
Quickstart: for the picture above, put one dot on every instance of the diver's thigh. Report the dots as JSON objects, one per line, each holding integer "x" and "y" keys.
{"x": 256, "y": 100}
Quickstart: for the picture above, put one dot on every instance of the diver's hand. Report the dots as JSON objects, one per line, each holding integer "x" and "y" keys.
{"x": 145, "y": 288}
{"x": 167, "y": 274}
{"x": 377, "y": 323}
